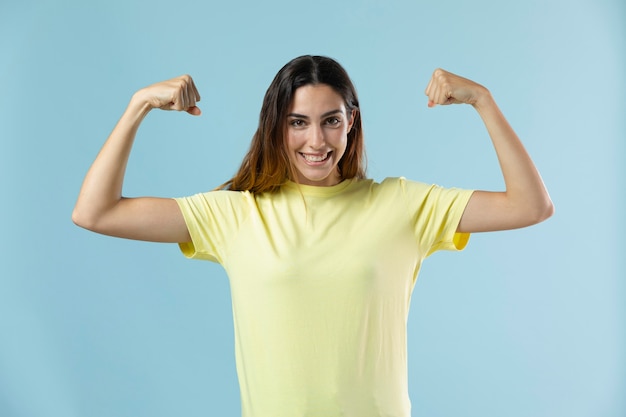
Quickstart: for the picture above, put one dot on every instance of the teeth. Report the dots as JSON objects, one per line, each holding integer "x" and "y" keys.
{"x": 315, "y": 158}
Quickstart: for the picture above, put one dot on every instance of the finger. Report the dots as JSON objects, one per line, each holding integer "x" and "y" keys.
{"x": 444, "y": 94}
{"x": 195, "y": 90}
{"x": 428, "y": 92}
{"x": 194, "y": 111}
{"x": 435, "y": 95}
{"x": 184, "y": 102}
{"x": 433, "y": 90}
{"x": 189, "y": 98}
{"x": 441, "y": 93}
{"x": 191, "y": 93}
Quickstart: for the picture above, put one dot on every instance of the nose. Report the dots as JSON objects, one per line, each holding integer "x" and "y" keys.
{"x": 316, "y": 138}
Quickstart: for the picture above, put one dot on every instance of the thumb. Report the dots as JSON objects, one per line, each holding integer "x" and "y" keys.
{"x": 194, "y": 111}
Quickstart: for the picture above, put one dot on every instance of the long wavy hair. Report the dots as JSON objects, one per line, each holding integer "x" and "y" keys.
{"x": 266, "y": 166}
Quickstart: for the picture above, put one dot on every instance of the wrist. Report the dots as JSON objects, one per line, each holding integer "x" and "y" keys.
{"x": 484, "y": 100}
{"x": 139, "y": 103}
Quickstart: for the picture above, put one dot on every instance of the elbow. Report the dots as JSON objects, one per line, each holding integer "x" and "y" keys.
{"x": 81, "y": 218}
{"x": 543, "y": 211}
{"x": 94, "y": 216}
{"x": 549, "y": 211}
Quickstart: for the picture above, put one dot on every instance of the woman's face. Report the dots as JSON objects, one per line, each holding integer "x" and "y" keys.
{"x": 317, "y": 134}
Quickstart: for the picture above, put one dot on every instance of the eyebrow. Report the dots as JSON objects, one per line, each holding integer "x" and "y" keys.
{"x": 302, "y": 116}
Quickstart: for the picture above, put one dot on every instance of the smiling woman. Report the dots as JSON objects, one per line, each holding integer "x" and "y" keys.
{"x": 306, "y": 91}
{"x": 316, "y": 136}
{"x": 321, "y": 261}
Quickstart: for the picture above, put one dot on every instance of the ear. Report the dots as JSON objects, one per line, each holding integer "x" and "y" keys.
{"x": 351, "y": 121}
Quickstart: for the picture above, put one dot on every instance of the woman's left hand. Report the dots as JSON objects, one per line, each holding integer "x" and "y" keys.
{"x": 447, "y": 88}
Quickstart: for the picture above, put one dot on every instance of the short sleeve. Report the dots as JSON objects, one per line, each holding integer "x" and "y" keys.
{"x": 212, "y": 219}
{"x": 435, "y": 215}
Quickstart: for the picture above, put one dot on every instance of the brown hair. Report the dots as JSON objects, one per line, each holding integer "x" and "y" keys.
{"x": 266, "y": 166}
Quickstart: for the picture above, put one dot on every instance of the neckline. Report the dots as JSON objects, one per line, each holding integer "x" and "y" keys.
{"x": 320, "y": 191}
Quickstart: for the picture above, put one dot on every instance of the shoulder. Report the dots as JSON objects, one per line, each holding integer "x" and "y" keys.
{"x": 218, "y": 202}
{"x": 419, "y": 193}
{"x": 392, "y": 190}
{"x": 403, "y": 186}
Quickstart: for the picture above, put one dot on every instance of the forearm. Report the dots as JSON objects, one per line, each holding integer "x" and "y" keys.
{"x": 102, "y": 186}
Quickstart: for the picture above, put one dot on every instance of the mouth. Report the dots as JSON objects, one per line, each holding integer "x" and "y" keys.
{"x": 316, "y": 159}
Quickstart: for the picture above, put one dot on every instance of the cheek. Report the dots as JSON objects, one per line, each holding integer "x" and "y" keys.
{"x": 289, "y": 143}
{"x": 341, "y": 140}
{"x": 293, "y": 141}
{"x": 292, "y": 145}
{"x": 344, "y": 147}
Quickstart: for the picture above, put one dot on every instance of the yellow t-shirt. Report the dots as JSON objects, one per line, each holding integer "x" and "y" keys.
{"x": 321, "y": 280}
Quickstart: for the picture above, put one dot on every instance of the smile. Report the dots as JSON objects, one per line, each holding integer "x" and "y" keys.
{"x": 315, "y": 158}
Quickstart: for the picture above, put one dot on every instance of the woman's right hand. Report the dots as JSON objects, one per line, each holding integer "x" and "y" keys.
{"x": 178, "y": 94}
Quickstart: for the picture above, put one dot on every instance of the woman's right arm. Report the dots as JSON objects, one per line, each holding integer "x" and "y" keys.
{"x": 101, "y": 207}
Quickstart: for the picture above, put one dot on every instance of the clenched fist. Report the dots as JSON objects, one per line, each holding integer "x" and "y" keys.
{"x": 179, "y": 94}
{"x": 447, "y": 88}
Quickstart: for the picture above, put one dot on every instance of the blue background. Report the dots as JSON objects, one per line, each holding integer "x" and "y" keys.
{"x": 522, "y": 323}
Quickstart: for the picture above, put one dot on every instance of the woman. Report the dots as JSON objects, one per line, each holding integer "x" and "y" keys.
{"x": 321, "y": 260}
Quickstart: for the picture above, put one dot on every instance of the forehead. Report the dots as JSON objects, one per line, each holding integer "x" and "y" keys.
{"x": 316, "y": 98}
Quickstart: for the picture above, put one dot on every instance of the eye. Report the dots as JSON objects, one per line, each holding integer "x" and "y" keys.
{"x": 333, "y": 121}
{"x": 296, "y": 122}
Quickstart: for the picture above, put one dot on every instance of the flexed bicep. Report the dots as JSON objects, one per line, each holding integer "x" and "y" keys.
{"x": 146, "y": 218}
{"x": 489, "y": 211}
{"x": 100, "y": 206}
{"x": 525, "y": 200}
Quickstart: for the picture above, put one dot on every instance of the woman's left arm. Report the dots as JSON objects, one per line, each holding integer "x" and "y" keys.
{"x": 525, "y": 201}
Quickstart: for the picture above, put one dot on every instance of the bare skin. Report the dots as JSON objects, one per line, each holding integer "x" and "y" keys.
{"x": 317, "y": 126}
{"x": 102, "y": 208}
{"x": 525, "y": 201}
